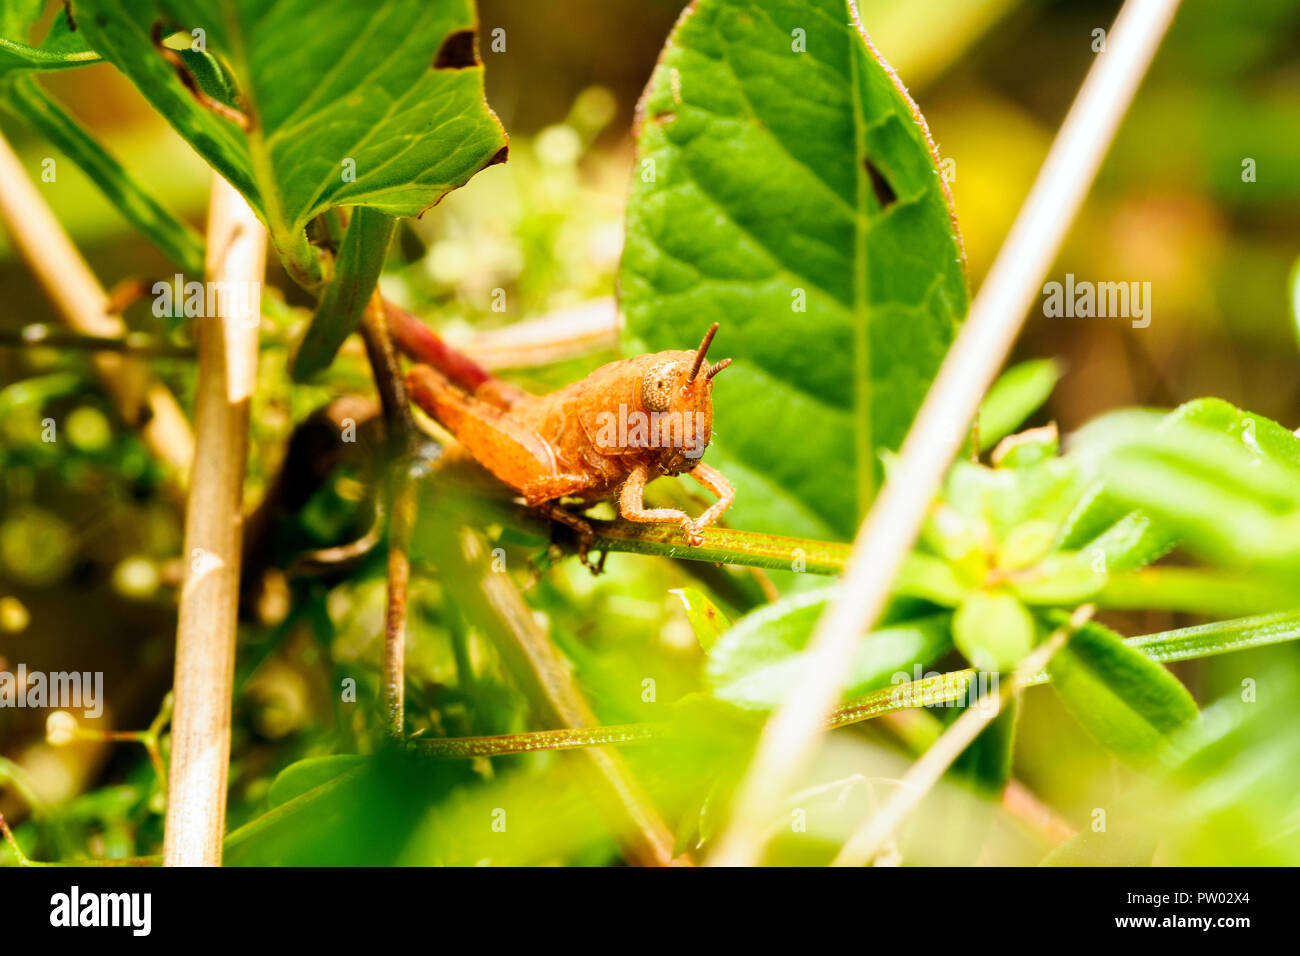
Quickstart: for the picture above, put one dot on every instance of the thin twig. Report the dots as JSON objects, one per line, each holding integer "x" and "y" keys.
{"x": 135, "y": 344}
{"x": 941, "y": 425}
{"x": 400, "y": 492}
{"x": 921, "y": 777}
{"x": 209, "y": 600}
{"x": 84, "y": 305}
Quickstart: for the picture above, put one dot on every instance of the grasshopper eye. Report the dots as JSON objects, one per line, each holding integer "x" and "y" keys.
{"x": 657, "y": 386}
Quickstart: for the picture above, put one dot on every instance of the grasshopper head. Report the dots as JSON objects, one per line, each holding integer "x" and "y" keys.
{"x": 677, "y": 393}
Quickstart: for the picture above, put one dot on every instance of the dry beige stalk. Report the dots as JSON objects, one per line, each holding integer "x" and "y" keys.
{"x": 209, "y": 601}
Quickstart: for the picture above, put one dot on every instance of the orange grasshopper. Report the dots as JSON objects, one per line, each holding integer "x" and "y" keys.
{"x": 603, "y": 437}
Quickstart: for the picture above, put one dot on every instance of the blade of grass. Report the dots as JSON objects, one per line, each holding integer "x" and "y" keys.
{"x": 177, "y": 239}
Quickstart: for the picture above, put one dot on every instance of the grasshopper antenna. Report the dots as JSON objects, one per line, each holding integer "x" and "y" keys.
{"x": 704, "y": 348}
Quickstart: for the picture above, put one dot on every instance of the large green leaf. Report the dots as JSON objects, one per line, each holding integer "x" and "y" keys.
{"x": 781, "y": 165}
{"x": 755, "y": 662}
{"x": 375, "y": 104}
{"x": 1127, "y": 701}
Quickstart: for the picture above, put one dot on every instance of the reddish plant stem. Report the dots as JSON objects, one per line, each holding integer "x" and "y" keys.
{"x": 400, "y": 491}
{"x": 423, "y": 345}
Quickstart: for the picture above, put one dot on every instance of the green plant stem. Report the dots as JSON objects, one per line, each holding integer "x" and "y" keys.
{"x": 178, "y": 240}
{"x": 137, "y": 345}
{"x": 501, "y": 744}
{"x": 348, "y": 297}
{"x": 1185, "y": 644}
{"x": 18, "y": 853}
{"x": 24, "y": 860}
{"x": 721, "y": 545}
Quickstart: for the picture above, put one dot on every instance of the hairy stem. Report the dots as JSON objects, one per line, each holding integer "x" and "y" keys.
{"x": 721, "y": 545}
{"x": 522, "y": 743}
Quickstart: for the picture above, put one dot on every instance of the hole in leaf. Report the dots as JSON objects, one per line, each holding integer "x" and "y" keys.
{"x": 885, "y": 194}
{"x": 458, "y": 51}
